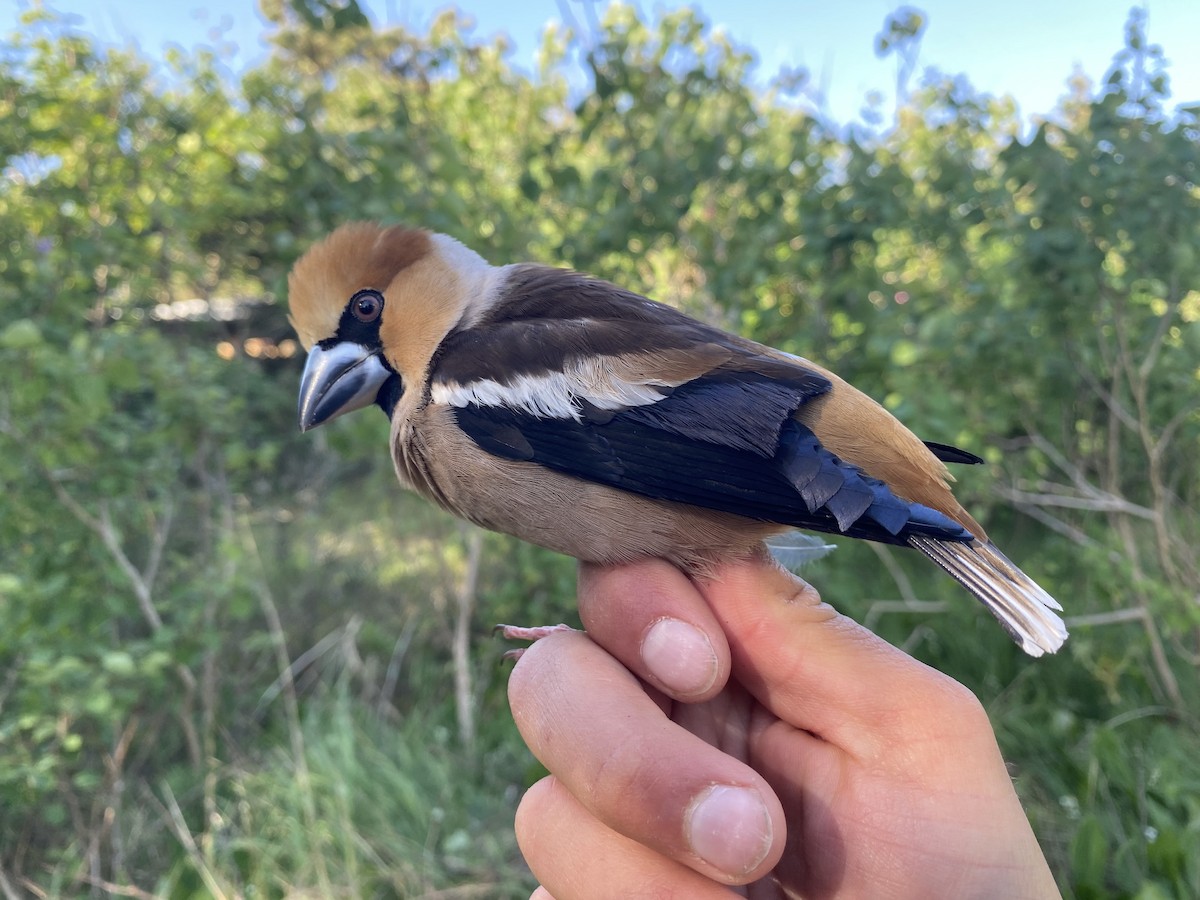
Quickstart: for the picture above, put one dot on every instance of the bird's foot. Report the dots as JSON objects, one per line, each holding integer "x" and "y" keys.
{"x": 522, "y": 633}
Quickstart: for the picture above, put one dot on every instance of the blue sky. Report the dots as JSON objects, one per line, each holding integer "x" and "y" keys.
{"x": 1026, "y": 48}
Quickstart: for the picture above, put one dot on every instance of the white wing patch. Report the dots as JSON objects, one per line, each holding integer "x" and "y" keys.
{"x": 557, "y": 395}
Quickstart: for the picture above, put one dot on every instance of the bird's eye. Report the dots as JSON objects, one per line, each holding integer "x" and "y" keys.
{"x": 366, "y": 306}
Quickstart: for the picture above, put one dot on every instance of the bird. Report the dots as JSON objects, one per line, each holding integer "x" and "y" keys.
{"x": 551, "y": 405}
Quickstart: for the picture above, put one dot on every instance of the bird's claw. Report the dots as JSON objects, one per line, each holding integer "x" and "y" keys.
{"x": 522, "y": 633}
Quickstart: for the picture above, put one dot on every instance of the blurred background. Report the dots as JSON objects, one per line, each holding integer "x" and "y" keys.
{"x": 236, "y": 661}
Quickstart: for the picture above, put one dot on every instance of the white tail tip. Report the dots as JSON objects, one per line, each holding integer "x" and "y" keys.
{"x": 1025, "y": 610}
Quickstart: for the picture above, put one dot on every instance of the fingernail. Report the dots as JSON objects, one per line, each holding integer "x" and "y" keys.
{"x": 680, "y": 656}
{"x": 729, "y": 827}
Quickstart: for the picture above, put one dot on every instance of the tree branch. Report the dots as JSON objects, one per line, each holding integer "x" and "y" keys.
{"x": 141, "y": 582}
{"x": 141, "y": 587}
{"x": 6, "y": 887}
{"x": 878, "y": 609}
{"x": 158, "y": 541}
{"x": 903, "y": 584}
{"x": 1107, "y": 503}
{"x": 464, "y": 688}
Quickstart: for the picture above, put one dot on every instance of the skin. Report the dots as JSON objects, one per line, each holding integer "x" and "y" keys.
{"x": 837, "y": 765}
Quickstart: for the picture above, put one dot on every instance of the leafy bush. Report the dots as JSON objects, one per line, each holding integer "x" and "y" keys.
{"x": 188, "y": 587}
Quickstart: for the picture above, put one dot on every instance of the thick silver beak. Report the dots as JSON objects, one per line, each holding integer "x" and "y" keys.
{"x": 343, "y": 378}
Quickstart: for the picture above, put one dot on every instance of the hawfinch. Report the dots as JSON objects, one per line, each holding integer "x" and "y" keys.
{"x": 569, "y": 412}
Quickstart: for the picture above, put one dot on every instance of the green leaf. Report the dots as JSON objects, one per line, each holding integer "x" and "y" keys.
{"x": 118, "y": 662}
{"x": 21, "y": 335}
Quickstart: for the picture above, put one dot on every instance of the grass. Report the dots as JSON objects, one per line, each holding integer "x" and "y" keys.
{"x": 400, "y": 811}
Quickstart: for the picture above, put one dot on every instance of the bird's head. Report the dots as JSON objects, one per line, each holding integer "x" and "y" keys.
{"x": 371, "y": 304}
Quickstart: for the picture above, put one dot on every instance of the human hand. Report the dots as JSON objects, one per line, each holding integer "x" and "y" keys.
{"x": 770, "y": 742}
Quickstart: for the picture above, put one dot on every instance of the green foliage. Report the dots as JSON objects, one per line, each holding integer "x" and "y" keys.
{"x": 402, "y": 812}
{"x": 188, "y": 586}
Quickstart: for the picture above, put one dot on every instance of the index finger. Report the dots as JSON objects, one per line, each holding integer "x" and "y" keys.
{"x": 649, "y": 615}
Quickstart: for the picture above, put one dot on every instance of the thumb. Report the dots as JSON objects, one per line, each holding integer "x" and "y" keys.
{"x": 811, "y": 666}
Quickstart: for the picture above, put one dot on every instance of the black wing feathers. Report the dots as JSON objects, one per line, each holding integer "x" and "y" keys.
{"x": 803, "y": 485}
{"x": 742, "y": 410}
{"x": 724, "y": 439}
{"x": 947, "y": 453}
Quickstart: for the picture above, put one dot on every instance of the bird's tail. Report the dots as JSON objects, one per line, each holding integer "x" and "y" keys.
{"x": 1025, "y": 610}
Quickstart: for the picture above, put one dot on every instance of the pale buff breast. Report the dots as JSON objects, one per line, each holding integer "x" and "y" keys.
{"x": 591, "y": 522}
